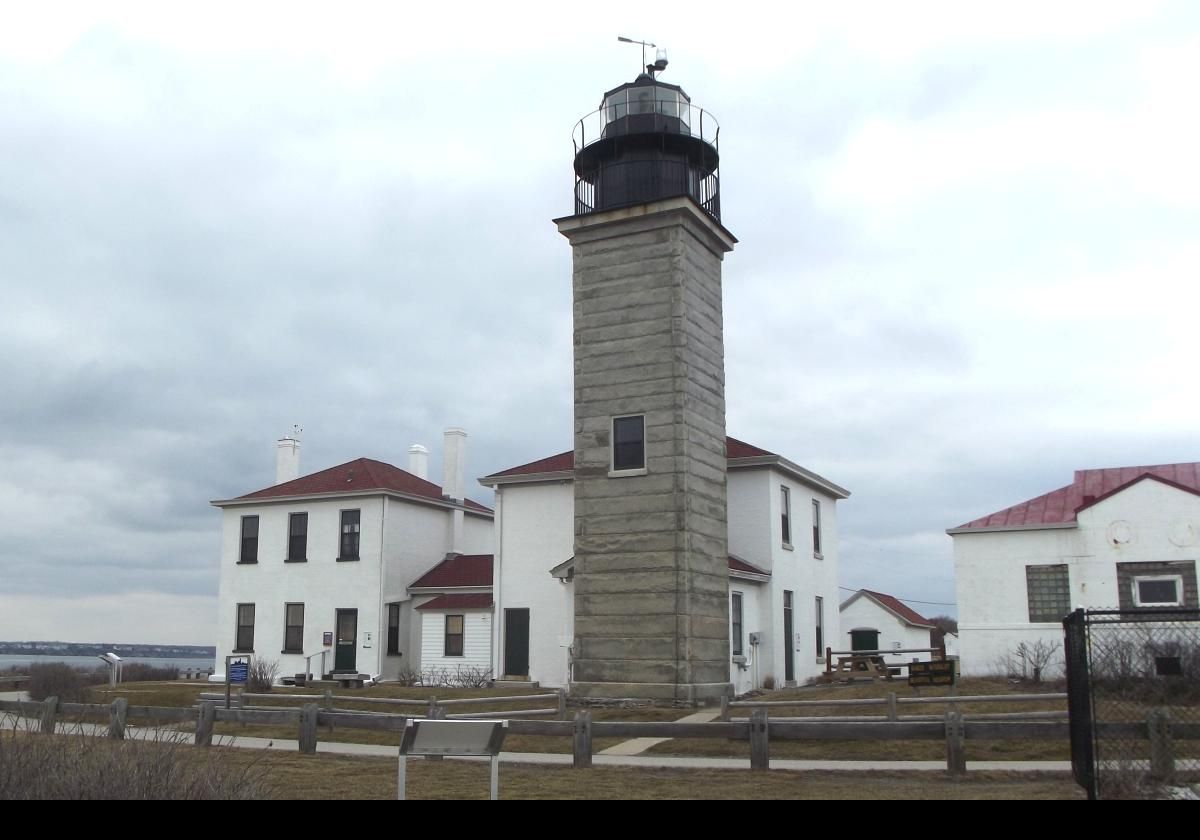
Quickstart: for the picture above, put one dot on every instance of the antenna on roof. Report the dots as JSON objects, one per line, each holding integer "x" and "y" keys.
{"x": 296, "y": 432}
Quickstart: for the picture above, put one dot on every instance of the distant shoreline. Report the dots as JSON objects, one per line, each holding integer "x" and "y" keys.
{"x": 132, "y": 651}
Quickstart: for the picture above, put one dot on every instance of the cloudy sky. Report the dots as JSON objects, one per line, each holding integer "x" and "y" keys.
{"x": 968, "y": 261}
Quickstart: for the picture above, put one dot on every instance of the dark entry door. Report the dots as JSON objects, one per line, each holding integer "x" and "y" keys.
{"x": 864, "y": 640}
{"x": 516, "y": 643}
{"x": 347, "y": 634}
{"x": 789, "y": 640}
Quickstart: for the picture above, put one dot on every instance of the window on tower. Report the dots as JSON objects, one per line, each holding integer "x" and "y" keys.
{"x": 629, "y": 443}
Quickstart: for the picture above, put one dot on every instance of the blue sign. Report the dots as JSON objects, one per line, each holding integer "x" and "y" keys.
{"x": 238, "y": 671}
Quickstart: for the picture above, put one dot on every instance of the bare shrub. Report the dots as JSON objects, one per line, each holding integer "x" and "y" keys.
{"x": 408, "y": 677}
{"x": 58, "y": 679}
{"x": 471, "y": 676}
{"x": 434, "y": 676}
{"x": 79, "y": 766}
{"x": 1037, "y": 656}
{"x": 261, "y": 675}
{"x": 769, "y": 683}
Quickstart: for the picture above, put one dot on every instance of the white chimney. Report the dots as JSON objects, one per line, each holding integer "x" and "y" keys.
{"x": 454, "y": 455}
{"x": 287, "y": 457}
{"x": 453, "y": 482}
{"x": 418, "y": 461}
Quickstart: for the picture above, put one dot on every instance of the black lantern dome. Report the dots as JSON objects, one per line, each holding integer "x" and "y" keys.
{"x": 646, "y": 142}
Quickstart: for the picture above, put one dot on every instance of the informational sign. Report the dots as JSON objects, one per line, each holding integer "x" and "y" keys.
{"x": 239, "y": 672}
{"x": 327, "y": 638}
{"x": 938, "y": 672}
{"x": 451, "y": 737}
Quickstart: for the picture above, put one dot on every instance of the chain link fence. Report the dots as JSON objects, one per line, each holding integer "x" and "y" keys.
{"x": 1133, "y": 680}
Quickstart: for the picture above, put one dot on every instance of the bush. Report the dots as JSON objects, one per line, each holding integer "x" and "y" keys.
{"x": 474, "y": 676}
{"x": 262, "y": 675}
{"x": 57, "y": 679}
{"x": 78, "y": 766}
{"x": 143, "y": 672}
{"x": 408, "y": 677}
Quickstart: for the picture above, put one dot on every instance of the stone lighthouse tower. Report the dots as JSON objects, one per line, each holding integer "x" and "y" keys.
{"x": 651, "y": 563}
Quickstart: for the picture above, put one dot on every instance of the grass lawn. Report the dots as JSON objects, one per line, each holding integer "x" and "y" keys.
{"x": 342, "y": 777}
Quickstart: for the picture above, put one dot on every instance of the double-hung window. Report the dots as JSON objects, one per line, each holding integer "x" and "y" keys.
{"x": 816, "y": 507}
{"x": 348, "y": 550}
{"x": 249, "y": 551}
{"x": 785, "y": 515}
{"x": 297, "y": 538}
{"x": 293, "y": 629}
{"x": 737, "y": 647}
{"x": 454, "y": 635}
{"x": 244, "y": 638}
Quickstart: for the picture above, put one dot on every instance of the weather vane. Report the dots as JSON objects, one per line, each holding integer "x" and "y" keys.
{"x": 660, "y": 58}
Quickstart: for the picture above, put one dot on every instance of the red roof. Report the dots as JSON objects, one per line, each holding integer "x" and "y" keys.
{"x": 457, "y": 570}
{"x": 1059, "y": 507}
{"x": 565, "y": 461}
{"x": 737, "y": 564}
{"x": 360, "y": 475}
{"x": 899, "y": 608}
{"x": 478, "y": 601}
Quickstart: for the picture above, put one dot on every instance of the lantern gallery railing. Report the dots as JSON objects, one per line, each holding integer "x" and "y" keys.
{"x": 628, "y": 111}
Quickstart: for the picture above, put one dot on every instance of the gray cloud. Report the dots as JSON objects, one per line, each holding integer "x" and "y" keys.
{"x": 200, "y": 247}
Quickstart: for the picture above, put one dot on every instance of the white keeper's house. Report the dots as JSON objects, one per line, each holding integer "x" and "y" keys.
{"x": 373, "y": 565}
{"x": 783, "y": 569}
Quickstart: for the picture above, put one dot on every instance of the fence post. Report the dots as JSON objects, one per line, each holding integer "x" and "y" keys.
{"x": 241, "y": 699}
{"x": 724, "y": 707}
{"x": 891, "y": 706}
{"x": 760, "y": 743}
{"x": 583, "y": 739}
{"x": 204, "y": 724}
{"x": 117, "y": 714}
{"x": 308, "y": 728}
{"x": 49, "y": 714}
{"x": 956, "y": 753}
{"x": 562, "y": 704}
{"x": 432, "y": 712}
{"x": 1162, "y": 748}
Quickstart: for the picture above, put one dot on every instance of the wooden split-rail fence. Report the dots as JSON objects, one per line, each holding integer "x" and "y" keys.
{"x": 759, "y": 730}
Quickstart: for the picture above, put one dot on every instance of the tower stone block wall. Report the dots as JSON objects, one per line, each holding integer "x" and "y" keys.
{"x": 651, "y": 567}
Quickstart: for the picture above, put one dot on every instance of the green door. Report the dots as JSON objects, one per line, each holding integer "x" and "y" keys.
{"x": 347, "y": 634}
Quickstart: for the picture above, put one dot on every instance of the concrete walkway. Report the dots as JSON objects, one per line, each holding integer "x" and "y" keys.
{"x": 637, "y": 746}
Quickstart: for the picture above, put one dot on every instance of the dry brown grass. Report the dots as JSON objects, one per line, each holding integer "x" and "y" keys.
{"x": 344, "y": 777}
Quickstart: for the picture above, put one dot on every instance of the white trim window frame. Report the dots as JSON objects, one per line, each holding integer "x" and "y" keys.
{"x": 1175, "y": 579}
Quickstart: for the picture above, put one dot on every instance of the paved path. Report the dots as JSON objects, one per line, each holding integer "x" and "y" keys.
{"x": 637, "y": 746}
